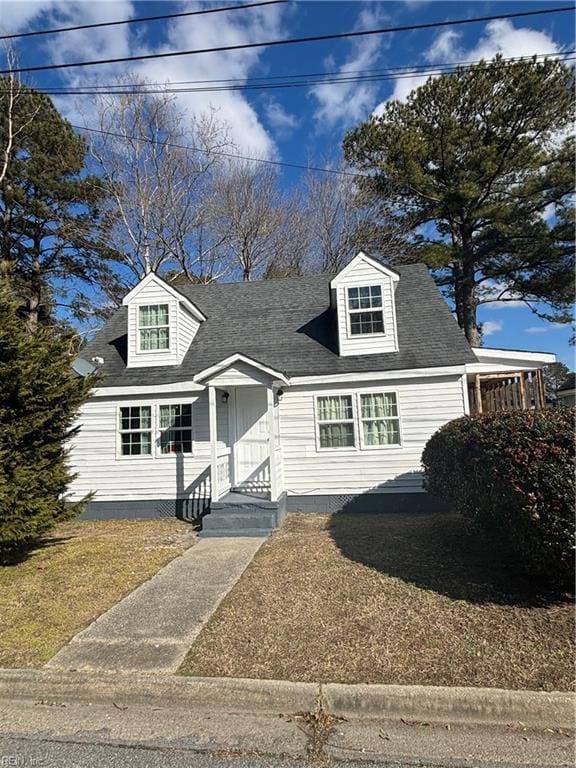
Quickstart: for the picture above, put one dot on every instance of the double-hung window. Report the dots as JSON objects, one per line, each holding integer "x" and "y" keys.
{"x": 153, "y": 327}
{"x": 176, "y": 429}
{"x": 136, "y": 430}
{"x": 380, "y": 419}
{"x": 365, "y": 310}
{"x": 336, "y": 421}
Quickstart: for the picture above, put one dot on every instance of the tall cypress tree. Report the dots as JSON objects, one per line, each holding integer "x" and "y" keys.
{"x": 49, "y": 210}
{"x": 475, "y": 163}
{"x": 39, "y": 400}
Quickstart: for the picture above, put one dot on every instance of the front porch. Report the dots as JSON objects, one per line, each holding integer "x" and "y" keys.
{"x": 246, "y": 478}
{"x": 514, "y": 391}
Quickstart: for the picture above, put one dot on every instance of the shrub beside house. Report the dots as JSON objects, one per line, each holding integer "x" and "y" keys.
{"x": 513, "y": 474}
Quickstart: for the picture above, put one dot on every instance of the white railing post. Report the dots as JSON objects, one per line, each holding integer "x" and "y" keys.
{"x": 272, "y": 444}
{"x": 214, "y": 489}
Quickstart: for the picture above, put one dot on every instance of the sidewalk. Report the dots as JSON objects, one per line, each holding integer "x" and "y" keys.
{"x": 151, "y": 630}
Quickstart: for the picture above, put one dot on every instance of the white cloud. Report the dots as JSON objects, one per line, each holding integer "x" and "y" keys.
{"x": 282, "y": 121}
{"x": 489, "y": 327}
{"x": 349, "y": 102}
{"x": 499, "y": 296}
{"x": 533, "y": 329}
{"x": 499, "y": 36}
{"x": 246, "y": 129}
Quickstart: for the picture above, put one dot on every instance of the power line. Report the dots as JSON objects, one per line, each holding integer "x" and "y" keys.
{"x": 140, "y": 19}
{"x": 232, "y": 155}
{"x": 290, "y": 41}
{"x": 343, "y": 80}
{"x": 287, "y": 80}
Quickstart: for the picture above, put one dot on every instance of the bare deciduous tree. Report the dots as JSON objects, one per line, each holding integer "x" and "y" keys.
{"x": 159, "y": 187}
{"x": 256, "y": 223}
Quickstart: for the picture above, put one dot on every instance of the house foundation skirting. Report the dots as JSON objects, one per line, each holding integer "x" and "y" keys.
{"x": 363, "y": 503}
{"x": 190, "y": 509}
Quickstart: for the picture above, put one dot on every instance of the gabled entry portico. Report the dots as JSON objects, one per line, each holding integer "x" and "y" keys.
{"x": 251, "y": 463}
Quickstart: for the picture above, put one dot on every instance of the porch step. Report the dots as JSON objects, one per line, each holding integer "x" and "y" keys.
{"x": 242, "y": 515}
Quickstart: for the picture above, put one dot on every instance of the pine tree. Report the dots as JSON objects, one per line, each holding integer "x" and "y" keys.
{"x": 480, "y": 166}
{"x": 50, "y": 211}
{"x": 39, "y": 400}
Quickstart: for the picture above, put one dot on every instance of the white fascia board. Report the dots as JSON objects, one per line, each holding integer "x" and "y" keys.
{"x": 178, "y": 387}
{"x": 351, "y": 378}
{"x": 238, "y": 358}
{"x": 152, "y": 277}
{"x": 504, "y": 355}
{"x": 361, "y": 256}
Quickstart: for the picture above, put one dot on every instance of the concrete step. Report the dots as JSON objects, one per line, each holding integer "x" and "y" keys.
{"x": 240, "y": 533}
{"x": 223, "y": 519}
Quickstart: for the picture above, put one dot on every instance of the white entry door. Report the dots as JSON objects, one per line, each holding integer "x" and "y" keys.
{"x": 252, "y": 447}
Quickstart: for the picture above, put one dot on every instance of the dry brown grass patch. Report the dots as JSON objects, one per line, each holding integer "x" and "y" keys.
{"x": 409, "y": 599}
{"x": 79, "y": 572}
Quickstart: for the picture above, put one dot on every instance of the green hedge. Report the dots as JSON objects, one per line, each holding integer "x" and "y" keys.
{"x": 513, "y": 473}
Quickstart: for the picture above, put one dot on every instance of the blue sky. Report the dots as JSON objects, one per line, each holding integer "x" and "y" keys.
{"x": 294, "y": 125}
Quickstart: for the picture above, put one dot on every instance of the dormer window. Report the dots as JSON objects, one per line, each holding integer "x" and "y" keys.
{"x": 153, "y": 327}
{"x": 365, "y": 310}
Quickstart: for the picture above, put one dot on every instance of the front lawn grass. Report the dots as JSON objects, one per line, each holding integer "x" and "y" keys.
{"x": 75, "y": 575}
{"x": 391, "y": 598}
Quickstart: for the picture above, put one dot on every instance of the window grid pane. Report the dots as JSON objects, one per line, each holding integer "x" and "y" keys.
{"x": 336, "y": 435}
{"x": 366, "y": 323}
{"x": 380, "y": 422}
{"x": 135, "y": 430}
{"x": 335, "y": 408}
{"x": 154, "y": 339}
{"x": 153, "y": 315}
{"x": 176, "y": 423}
{"x": 368, "y": 297}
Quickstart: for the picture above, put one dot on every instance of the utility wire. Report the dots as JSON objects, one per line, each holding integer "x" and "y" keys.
{"x": 291, "y": 41}
{"x": 140, "y": 19}
{"x": 232, "y": 155}
{"x": 287, "y": 80}
{"x": 378, "y": 78}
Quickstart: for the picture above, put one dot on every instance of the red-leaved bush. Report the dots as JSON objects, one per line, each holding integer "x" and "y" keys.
{"x": 512, "y": 473}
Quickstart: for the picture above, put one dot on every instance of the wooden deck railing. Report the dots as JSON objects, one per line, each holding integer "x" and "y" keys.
{"x": 519, "y": 391}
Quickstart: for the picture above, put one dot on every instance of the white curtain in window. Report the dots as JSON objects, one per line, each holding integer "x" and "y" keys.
{"x": 382, "y": 432}
{"x": 379, "y": 406}
{"x": 335, "y": 408}
{"x": 154, "y": 315}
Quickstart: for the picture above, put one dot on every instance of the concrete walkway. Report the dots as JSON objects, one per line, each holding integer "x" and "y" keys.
{"x": 151, "y": 630}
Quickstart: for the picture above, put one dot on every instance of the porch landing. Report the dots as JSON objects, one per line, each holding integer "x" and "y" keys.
{"x": 240, "y": 514}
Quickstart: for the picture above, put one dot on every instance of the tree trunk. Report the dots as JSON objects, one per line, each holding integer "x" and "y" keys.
{"x": 465, "y": 292}
{"x": 35, "y": 294}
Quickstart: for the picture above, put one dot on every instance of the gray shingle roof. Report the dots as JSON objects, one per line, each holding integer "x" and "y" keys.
{"x": 288, "y": 325}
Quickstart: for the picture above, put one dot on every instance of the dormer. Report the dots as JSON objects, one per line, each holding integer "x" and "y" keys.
{"x": 162, "y": 323}
{"x": 363, "y": 296}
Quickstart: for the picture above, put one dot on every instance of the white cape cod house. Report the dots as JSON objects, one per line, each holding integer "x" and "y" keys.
{"x": 242, "y": 400}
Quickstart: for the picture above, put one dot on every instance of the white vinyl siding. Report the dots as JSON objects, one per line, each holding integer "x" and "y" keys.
{"x": 155, "y": 343}
{"x": 424, "y": 405}
{"x": 363, "y": 276}
{"x": 95, "y": 453}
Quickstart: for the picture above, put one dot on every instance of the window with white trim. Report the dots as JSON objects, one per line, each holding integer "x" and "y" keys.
{"x": 380, "y": 419}
{"x": 153, "y": 327}
{"x": 365, "y": 310}
{"x": 136, "y": 430}
{"x": 176, "y": 428}
{"x": 336, "y": 421}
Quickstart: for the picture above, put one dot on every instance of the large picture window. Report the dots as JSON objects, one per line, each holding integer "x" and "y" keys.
{"x": 136, "y": 430}
{"x": 176, "y": 429}
{"x": 154, "y": 327}
{"x": 336, "y": 421}
{"x": 380, "y": 420}
{"x": 365, "y": 310}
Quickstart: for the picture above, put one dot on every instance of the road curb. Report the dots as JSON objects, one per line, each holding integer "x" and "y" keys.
{"x": 483, "y": 706}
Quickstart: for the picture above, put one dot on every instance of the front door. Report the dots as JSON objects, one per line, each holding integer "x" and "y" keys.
{"x": 252, "y": 448}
